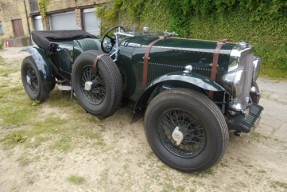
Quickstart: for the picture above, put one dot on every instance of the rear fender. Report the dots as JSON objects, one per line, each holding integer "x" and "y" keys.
{"x": 186, "y": 79}
{"x": 44, "y": 66}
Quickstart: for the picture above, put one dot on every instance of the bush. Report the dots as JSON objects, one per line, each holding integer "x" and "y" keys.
{"x": 260, "y": 23}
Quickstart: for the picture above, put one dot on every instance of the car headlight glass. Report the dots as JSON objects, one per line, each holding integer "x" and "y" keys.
{"x": 256, "y": 67}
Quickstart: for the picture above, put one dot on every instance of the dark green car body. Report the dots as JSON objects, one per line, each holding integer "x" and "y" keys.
{"x": 149, "y": 67}
{"x": 166, "y": 57}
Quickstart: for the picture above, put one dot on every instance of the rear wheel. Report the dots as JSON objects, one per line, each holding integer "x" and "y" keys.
{"x": 99, "y": 91}
{"x": 32, "y": 82}
{"x": 186, "y": 130}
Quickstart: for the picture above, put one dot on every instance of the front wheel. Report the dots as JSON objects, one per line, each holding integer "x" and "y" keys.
{"x": 186, "y": 130}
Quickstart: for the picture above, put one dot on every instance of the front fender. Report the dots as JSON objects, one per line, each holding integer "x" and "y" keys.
{"x": 193, "y": 79}
{"x": 44, "y": 66}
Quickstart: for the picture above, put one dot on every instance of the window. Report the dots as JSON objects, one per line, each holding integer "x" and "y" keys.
{"x": 34, "y": 6}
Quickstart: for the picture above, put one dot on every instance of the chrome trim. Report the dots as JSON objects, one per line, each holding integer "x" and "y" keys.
{"x": 256, "y": 67}
{"x": 232, "y": 81}
{"x": 236, "y": 53}
{"x": 238, "y": 79}
{"x": 188, "y": 69}
{"x": 253, "y": 89}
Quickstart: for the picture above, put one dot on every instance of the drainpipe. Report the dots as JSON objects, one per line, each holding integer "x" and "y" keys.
{"x": 27, "y": 18}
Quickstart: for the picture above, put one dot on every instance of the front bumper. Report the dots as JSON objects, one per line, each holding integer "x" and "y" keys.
{"x": 245, "y": 124}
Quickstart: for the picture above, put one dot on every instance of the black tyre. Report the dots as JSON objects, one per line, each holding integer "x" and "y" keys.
{"x": 186, "y": 130}
{"x": 33, "y": 84}
{"x": 98, "y": 91}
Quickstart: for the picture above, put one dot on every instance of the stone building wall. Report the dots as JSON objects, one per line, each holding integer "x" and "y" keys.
{"x": 58, "y": 6}
{"x": 14, "y": 9}
{"x": 10, "y": 10}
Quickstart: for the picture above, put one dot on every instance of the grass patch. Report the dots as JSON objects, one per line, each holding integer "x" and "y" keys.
{"x": 6, "y": 71}
{"x": 14, "y": 138}
{"x": 76, "y": 180}
{"x": 278, "y": 184}
{"x": 206, "y": 173}
{"x": 24, "y": 159}
{"x": 64, "y": 144}
{"x": 257, "y": 136}
{"x": 31, "y": 123}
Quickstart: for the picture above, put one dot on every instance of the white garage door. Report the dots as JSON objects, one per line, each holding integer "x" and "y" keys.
{"x": 63, "y": 21}
{"x": 92, "y": 23}
{"x": 38, "y": 23}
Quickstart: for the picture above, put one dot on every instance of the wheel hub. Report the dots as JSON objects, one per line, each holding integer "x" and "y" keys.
{"x": 88, "y": 85}
{"x": 177, "y": 136}
{"x": 28, "y": 79}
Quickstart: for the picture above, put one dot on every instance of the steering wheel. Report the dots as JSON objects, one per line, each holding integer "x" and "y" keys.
{"x": 109, "y": 39}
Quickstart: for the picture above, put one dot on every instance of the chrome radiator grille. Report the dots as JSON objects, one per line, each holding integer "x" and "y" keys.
{"x": 246, "y": 61}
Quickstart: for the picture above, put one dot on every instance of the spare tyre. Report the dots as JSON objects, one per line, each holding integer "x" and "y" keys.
{"x": 97, "y": 83}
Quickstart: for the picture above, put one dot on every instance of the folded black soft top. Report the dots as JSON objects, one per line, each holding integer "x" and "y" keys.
{"x": 46, "y": 39}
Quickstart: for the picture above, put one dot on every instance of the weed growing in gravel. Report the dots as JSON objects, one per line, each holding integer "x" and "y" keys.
{"x": 278, "y": 184}
{"x": 77, "y": 180}
{"x": 24, "y": 159}
{"x": 14, "y": 138}
{"x": 64, "y": 144}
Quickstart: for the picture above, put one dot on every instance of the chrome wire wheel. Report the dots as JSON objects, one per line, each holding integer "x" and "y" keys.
{"x": 181, "y": 133}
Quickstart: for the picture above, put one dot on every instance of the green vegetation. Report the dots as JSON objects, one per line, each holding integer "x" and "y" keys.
{"x": 260, "y": 23}
{"x": 77, "y": 180}
{"x": 56, "y": 122}
{"x": 43, "y": 6}
{"x": 278, "y": 184}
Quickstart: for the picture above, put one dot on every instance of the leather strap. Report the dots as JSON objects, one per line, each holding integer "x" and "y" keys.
{"x": 96, "y": 61}
{"x": 146, "y": 60}
{"x": 216, "y": 57}
{"x": 215, "y": 62}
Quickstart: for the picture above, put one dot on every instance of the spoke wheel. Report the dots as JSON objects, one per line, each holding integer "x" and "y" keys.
{"x": 186, "y": 130}
{"x": 32, "y": 82}
{"x": 194, "y": 136}
{"x": 99, "y": 91}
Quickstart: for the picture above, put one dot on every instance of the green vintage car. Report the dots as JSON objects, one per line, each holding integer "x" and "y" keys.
{"x": 191, "y": 92}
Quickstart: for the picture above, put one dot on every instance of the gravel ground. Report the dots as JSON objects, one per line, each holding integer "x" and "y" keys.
{"x": 123, "y": 161}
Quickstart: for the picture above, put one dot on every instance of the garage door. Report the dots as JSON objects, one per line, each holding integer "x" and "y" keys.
{"x": 38, "y": 23}
{"x": 92, "y": 23}
{"x": 63, "y": 21}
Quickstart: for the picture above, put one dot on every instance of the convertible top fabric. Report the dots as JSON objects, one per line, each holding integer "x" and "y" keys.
{"x": 46, "y": 39}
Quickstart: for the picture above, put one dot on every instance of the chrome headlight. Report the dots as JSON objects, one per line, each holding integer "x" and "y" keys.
{"x": 233, "y": 81}
{"x": 256, "y": 67}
